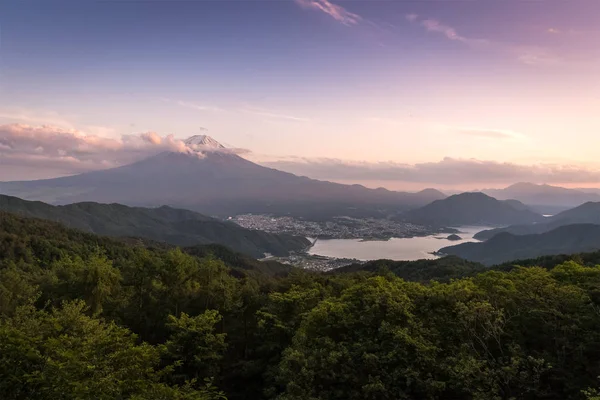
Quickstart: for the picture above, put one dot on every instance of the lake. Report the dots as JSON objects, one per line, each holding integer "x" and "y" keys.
{"x": 408, "y": 249}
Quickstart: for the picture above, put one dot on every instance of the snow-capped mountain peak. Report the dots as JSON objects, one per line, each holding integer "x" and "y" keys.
{"x": 204, "y": 141}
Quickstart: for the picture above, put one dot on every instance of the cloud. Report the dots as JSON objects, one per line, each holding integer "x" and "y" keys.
{"x": 412, "y": 17}
{"x": 193, "y": 106}
{"x": 449, "y": 171}
{"x": 272, "y": 114}
{"x": 338, "y": 13}
{"x": 32, "y": 152}
{"x": 237, "y": 109}
{"x": 530, "y": 55}
{"x": 35, "y": 117}
{"x": 534, "y": 55}
{"x": 433, "y": 25}
{"x": 489, "y": 133}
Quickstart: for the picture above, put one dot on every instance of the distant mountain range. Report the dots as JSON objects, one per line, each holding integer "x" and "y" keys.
{"x": 165, "y": 224}
{"x": 503, "y": 247}
{"x": 471, "y": 209}
{"x": 588, "y": 213}
{"x": 214, "y": 181}
{"x": 544, "y": 198}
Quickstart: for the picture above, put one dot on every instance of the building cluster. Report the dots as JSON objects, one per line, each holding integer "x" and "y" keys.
{"x": 316, "y": 262}
{"x": 336, "y": 228}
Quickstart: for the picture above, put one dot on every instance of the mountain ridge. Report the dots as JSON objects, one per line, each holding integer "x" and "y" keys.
{"x": 163, "y": 224}
{"x": 543, "y": 195}
{"x": 470, "y": 208}
{"x": 505, "y": 247}
{"x": 587, "y": 213}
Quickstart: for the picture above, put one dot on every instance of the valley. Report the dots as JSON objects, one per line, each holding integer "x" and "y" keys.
{"x": 343, "y": 241}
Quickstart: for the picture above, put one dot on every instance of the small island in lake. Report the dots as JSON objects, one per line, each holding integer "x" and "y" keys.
{"x": 454, "y": 237}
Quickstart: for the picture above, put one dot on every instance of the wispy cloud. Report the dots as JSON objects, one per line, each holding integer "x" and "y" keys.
{"x": 335, "y": 11}
{"x": 273, "y": 114}
{"x": 534, "y": 55}
{"x": 433, "y": 25}
{"x": 412, "y": 17}
{"x": 488, "y": 133}
{"x": 36, "y": 117}
{"x": 530, "y": 55}
{"x": 48, "y": 117}
{"x": 192, "y": 105}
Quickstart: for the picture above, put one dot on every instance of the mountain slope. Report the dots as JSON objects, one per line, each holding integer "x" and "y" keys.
{"x": 215, "y": 181}
{"x": 174, "y": 226}
{"x": 471, "y": 209}
{"x": 579, "y": 238}
{"x": 588, "y": 213}
{"x": 543, "y": 195}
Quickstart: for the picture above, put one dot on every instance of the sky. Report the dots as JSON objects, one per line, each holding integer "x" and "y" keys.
{"x": 401, "y": 94}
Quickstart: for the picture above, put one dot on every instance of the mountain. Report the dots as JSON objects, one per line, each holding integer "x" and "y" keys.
{"x": 588, "y": 213}
{"x": 471, "y": 209}
{"x": 589, "y": 190}
{"x": 578, "y": 238}
{"x": 543, "y": 196}
{"x": 165, "y": 224}
{"x": 213, "y": 180}
{"x": 203, "y": 140}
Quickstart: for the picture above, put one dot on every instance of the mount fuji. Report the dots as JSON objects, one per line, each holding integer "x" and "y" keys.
{"x": 212, "y": 179}
{"x": 203, "y": 141}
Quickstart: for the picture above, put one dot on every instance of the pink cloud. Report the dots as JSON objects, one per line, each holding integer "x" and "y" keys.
{"x": 433, "y": 25}
{"x": 44, "y": 151}
{"x": 338, "y": 13}
{"x": 447, "y": 172}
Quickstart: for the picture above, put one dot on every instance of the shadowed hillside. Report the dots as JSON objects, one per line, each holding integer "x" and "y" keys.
{"x": 588, "y": 213}
{"x": 505, "y": 247}
{"x": 471, "y": 209}
{"x": 166, "y": 224}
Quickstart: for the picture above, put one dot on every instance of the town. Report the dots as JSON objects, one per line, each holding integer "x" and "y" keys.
{"x": 336, "y": 228}
{"x": 315, "y": 262}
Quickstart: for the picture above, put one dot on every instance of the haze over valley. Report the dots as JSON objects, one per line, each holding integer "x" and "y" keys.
{"x": 294, "y": 218}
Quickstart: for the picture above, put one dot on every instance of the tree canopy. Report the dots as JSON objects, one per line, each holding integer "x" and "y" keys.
{"x": 87, "y": 317}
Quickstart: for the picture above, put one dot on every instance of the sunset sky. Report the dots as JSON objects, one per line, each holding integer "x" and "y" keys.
{"x": 492, "y": 91}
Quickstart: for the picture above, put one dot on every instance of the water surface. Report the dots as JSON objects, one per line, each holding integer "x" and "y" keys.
{"x": 408, "y": 249}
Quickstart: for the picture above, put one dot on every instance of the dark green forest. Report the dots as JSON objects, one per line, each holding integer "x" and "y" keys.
{"x": 89, "y": 317}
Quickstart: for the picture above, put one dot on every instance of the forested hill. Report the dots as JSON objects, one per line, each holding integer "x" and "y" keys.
{"x": 88, "y": 317}
{"x": 471, "y": 209}
{"x": 588, "y": 213}
{"x": 174, "y": 226}
{"x": 442, "y": 269}
{"x": 505, "y": 247}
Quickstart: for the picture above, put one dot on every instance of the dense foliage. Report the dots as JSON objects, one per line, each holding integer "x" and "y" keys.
{"x": 441, "y": 270}
{"x": 85, "y": 317}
